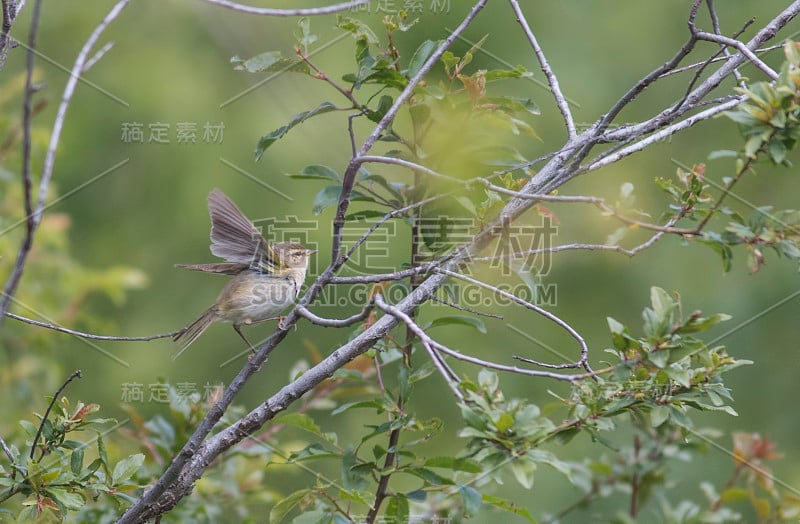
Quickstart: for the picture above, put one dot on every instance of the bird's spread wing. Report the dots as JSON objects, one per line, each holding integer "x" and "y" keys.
{"x": 234, "y": 238}
{"x": 222, "y": 268}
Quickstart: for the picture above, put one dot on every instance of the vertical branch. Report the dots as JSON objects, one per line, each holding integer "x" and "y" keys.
{"x": 27, "y": 115}
{"x": 394, "y": 435}
{"x": 635, "y": 480}
{"x": 34, "y": 217}
{"x": 555, "y": 89}
{"x": 10, "y": 10}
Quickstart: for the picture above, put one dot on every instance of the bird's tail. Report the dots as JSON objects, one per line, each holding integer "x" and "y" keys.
{"x": 190, "y": 333}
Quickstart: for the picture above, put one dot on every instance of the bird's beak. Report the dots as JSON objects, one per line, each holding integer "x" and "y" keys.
{"x": 310, "y": 251}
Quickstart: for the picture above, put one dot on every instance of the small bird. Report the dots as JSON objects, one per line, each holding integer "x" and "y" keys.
{"x": 266, "y": 278}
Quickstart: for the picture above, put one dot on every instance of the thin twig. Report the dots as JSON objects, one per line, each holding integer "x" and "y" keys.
{"x": 334, "y": 322}
{"x": 448, "y": 374}
{"x": 555, "y": 89}
{"x": 7, "y": 451}
{"x": 91, "y": 336}
{"x": 465, "y": 308}
{"x": 384, "y": 277}
{"x": 582, "y": 362}
{"x": 307, "y": 11}
{"x": 73, "y": 376}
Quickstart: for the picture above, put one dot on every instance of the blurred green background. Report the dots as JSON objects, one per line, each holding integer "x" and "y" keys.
{"x": 170, "y": 64}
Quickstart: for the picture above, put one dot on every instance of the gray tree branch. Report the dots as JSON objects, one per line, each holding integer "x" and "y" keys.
{"x": 201, "y": 449}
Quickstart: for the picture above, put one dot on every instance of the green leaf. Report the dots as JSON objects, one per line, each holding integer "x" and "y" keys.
{"x": 313, "y": 451}
{"x": 329, "y": 196}
{"x": 70, "y": 501}
{"x": 523, "y": 471}
{"x": 300, "y": 420}
{"x": 431, "y": 477}
{"x": 509, "y": 506}
{"x": 316, "y": 172}
{"x": 285, "y": 505}
{"x": 500, "y": 74}
{"x": 659, "y": 357}
{"x": 471, "y": 499}
{"x": 420, "y": 56}
{"x": 365, "y": 176}
{"x": 360, "y": 30}
{"x": 734, "y": 495}
{"x": 308, "y": 37}
{"x": 703, "y": 323}
{"x": 352, "y": 478}
{"x": 103, "y": 456}
{"x": 504, "y": 422}
{"x": 679, "y": 417}
{"x": 659, "y": 415}
{"x": 513, "y": 105}
{"x": 125, "y": 468}
{"x": 384, "y": 104}
{"x": 76, "y": 460}
{"x": 375, "y": 404}
{"x": 397, "y": 509}
{"x": 662, "y": 303}
{"x": 461, "y": 320}
{"x": 454, "y": 463}
{"x": 271, "y": 61}
{"x": 267, "y": 140}
{"x": 30, "y": 428}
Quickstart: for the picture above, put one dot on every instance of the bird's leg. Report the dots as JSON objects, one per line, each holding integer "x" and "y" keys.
{"x": 280, "y": 320}
{"x": 239, "y": 331}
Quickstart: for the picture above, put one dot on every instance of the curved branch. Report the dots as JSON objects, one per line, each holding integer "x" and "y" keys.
{"x": 90, "y": 336}
{"x": 303, "y": 11}
{"x": 334, "y": 322}
{"x": 582, "y": 362}
{"x": 555, "y": 89}
{"x": 428, "y": 343}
